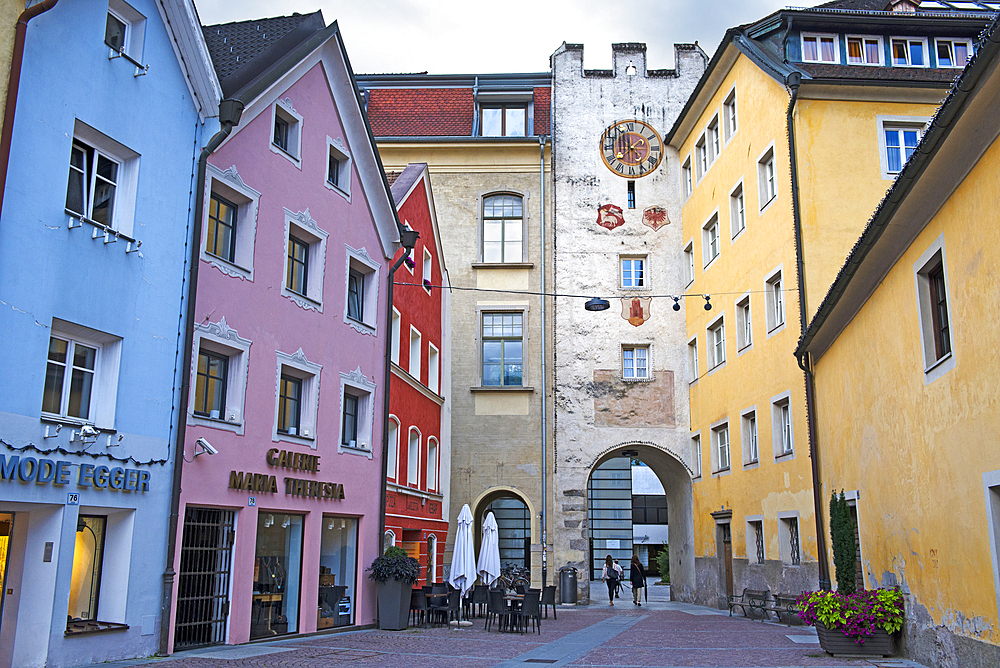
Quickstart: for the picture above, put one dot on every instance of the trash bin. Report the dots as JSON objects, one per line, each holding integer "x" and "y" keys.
{"x": 567, "y": 585}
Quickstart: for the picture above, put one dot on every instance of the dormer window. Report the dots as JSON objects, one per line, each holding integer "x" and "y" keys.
{"x": 504, "y": 120}
{"x": 820, "y": 48}
{"x": 909, "y": 52}
{"x": 864, "y": 50}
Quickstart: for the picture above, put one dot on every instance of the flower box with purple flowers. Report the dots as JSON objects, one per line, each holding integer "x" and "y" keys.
{"x": 859, "y": 623}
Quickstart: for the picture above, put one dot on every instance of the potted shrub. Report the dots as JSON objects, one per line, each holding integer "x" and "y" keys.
{"x": 395, "y": 574}
{"x": 858, "y": 623}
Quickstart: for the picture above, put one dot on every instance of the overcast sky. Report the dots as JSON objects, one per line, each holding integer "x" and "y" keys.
{"x": 458, "y": 36}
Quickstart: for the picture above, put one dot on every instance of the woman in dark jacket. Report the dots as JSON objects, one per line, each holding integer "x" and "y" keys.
{"x": 638, "y": 578}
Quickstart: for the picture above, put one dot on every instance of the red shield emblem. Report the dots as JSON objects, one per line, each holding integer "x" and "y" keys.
{"x": 655, "y": 217}
{"x": 610, "y": 216}
{"x": 636, "y": 309}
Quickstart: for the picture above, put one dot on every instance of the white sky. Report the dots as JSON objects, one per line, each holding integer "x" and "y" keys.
{"x": 460, "y": 37}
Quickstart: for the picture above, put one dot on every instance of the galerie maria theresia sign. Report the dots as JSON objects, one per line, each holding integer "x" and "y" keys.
{"x": 293, "y": 461}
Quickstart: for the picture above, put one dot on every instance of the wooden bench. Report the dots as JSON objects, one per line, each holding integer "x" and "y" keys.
{"x": 782, "y": 604}
{"x": 750, "y": 600}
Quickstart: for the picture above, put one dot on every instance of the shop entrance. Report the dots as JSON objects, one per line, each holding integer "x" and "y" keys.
{"x": 6, "y": 531}
{"x": 203, "y": 584}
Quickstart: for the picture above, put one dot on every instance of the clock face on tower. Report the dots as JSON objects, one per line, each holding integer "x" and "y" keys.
{"x": 631, "y": 148}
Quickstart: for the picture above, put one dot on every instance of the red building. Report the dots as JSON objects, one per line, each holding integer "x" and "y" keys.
{"x": 416, "y": 515}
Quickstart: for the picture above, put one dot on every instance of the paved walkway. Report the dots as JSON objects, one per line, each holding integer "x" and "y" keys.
{"x": 660, "y": 633}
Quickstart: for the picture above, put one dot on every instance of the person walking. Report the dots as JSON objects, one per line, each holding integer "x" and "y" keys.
{"x": 638, "y": 578}
{"x": 611, "y": 575}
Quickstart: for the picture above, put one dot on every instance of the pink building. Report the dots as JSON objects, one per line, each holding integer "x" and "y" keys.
{"x": 279, "y": 508}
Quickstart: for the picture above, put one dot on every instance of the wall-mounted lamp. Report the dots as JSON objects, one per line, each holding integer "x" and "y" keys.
{"x": 708, "y": 303}
{"x": 677, "y": 304}
{"x": 597, "y": 304}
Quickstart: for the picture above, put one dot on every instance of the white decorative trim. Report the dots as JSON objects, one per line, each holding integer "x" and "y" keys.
{"x": 294, "y": 154}
{"x": 361, "y": 261}
{"x": 343, "y": 187}
{"x": 309, "y": 373}
{"x": 364, "y": 389}
{"x": 309, "y": 231}
{"x": 230, "y": 185}
{"x": 221, "y": 338}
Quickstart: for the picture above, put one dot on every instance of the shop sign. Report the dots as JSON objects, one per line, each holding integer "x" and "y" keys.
{"x": 266, "y": 483}
{"x": 60, "y": 472}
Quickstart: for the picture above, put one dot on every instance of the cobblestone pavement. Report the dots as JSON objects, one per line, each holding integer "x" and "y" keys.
{"x": 660, "y": 633}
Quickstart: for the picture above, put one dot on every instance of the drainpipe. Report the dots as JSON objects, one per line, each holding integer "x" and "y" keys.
{"x": 13, "y": 81}
{"x": 229, "y": 115}
{"x": 544, "y": 517}
{"x": 793, "y": 81}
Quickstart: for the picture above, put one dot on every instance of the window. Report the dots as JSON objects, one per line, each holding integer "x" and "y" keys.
{"x": 755, "y": 541}
{"x": 633, "y": 272}
{"x": 781, "y": 425}
{"x": 432, "y": 464}
{"x": 102, "y": 180}
{"x": 766, "y": 185}
{"x": 744, "y": 323}
{"x": 88, "y": 563}
{"x": 737, "y": 211}
{"x": 219, "y": 377}
{"x": 631, "y": 194}
{"x": 687, "y": 183}
{"x": 909, "y": 52}
{"x": 710, "y": 240}
{"x": 820, "y": 48}
{"x": 433, "y": 369}
{"x": 774, "y": 298}
{"x": 635, "y": 363}
{"x": 696, "y": 455}
{"x": 229, "y": 227}
{"x": 426, "y": 277}
{"x": 413, "y": 458}
{"x": 394, "y": 355}
{"x": 338, "y": 169}
{"x": 81, "y": 375}
{"x": 305, "y": 260}
{"x": 788, "y": 538}
{"x": 720, "y": 438}
{"x": 864, "y": 50}
{"x": 689, "y": 256}
{"x": 953, "y": 52}
{"x": 361, "y": 305}
{"x": 504, "y": 120}
{"x": 714, "y": 145}
{"x": 730, "y": 118}
{"x": 114, "y": 33}
{"x": 286, "y": 137}
{"x": 503, "y": 229}
{"x": 502, "y": 349}
{"x": 349, "y": 428}
{"x": 414, "y": 362}
{"x": 693, "y": 359}
{"x": 297, "y": 395}
{"x": 125, "y": 29}
{"x": 931, "y": 275}
{"x": 716, "y": 335}
{"x": 751, "y": 446}
{"x": 649, "y": 509}
{"x": 701, "y": 157}
{"x": 393, "y": 461}
{"x": 356, "y": 411}
{"x": 898, "y": 139}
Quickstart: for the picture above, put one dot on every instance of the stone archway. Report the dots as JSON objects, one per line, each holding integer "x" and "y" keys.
{"x": 529, "y": 522}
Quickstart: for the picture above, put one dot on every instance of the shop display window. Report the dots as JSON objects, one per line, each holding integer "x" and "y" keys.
{"x": 276, "y": 575}
{"x": 337, "y": 572}
{"x": 6, "y": 531}
{"x": 88, "y": 559}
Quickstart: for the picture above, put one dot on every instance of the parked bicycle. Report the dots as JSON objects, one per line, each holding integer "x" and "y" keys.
{"x": 512, "y": 575}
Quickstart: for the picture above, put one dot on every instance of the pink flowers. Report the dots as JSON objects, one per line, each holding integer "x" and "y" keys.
{"x": 858, "y": 614}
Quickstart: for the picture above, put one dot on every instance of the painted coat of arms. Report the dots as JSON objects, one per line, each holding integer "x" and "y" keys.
{"x": 636, "y": 309}
{"x": 610, "y": 216}
{"x": 655, "y": 217}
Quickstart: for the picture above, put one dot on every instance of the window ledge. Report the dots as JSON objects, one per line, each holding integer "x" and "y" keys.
{"x": 776, "y": 329}
{"x": 721, "y": 472}
{"x": 738, "y": 234}
{"x": 227, "y": 267}
{"x": 752, "y": 465}
{"x": 280, "y": 151}
{"x": 91, "y": 627}
{"x": 52, "y": 418}
{"x": 641, "y": 288}
{"x": 306, "y": 303}
{"x": 337, "y": 189}
{"x": 938, "y": 363}
{"x": 717, "y": 367}
{"x": 101, "y": 227}
{"x": 747, "y": 347}
{"x": 403, "y": 489}
{"x": 785, "y": 456}
{"x": 364, "y": 452}
{"x": 637, "y": 380}
{"x": 502, "y": 388}
{"x": 503, "y": 265}
{"x": 767, "y": 204}
{"x": 710, "y": 262}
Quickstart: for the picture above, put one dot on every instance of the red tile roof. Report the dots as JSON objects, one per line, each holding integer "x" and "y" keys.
{"x": 420, "y": 112}
{"x": 541, "y": 110}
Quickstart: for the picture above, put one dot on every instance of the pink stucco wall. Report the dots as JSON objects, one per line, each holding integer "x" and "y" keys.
{"x": 257, "y": 311}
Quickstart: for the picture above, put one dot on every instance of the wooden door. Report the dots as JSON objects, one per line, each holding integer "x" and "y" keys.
{"x": 727, "y": 557}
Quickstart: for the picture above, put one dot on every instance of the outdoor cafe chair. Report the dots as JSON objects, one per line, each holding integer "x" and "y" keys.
{"x": 549, "y": 598}
{"x": 519, "y": 588}
{"x": 530, "y": 609}
{"x": 496, "y": 610}
{"x": 480, "y": 598}
{"x": 418, "y": 606}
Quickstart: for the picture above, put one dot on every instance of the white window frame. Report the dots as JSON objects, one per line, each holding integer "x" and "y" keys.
{"x": 722, "y": 454}
{"x": 752, "y": 522}
{"x": 413, "y": 458}
{"x": 413, "y": 361}
{"x": 687, "y": 178}
{"x": 819, "y": 36}
{"x": 775, "y": 301}
{"x": 104, "y": 383}
{"x": 693, "y": 360}
{"x": 702, "y": 162}
{"x": 392, "y": 465}
{"x": 886, "y": 122}
{"x": 784, "y": 536}
{"x": 221, "y": 339}
{"x": 689, "y": 256}
{"x": 359, "y": 260}
{"x": 229, "y": 185}
{"x": 737, "y": 211}
{"x": 644, "y": 259}
{"x": 433, "y": 368}
{"x": 135, "y": 28}
{"x": 991, "y": 488}
{"x": 930, "y": 259}
{"x": 433, "y": 463}
{"x": 285, "y": 110}
{"x": 299, "y": 366}
{"x": 750, "y": 437}
{"x": 696, "y": 454}
{"x": 767, "y": 179}
{"x": 730, "y": 116}
{"x": 952, "y": 41}
{"x": 301, "y": 225}
{"x": 864, "y": 39}
{"x": 781, "y": 405}
{"x": 744, "y": 324}
{"x": 126, "y": 178}
{"x": 708, "y": 257}
{"x": 426, "y": 274}
{"x": 909, "y": 41}
{"x": 635, "y": 347}
{"x": 336, "y": 148}
{"x": 715, "y": 343}
{"x": 713, "y": 137}
{"x": 396, "y": 324}
{"x": 356, "y": 384}
{"x": 524, "y": 196}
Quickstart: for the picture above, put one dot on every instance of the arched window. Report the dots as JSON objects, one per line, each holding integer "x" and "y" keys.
{"x": 413, "y": 459}
{"x": 432, "y": 464}
{"x": 503, "y": 229}
{"x": 431, "y": 559}
{"x": 388, "y": 539}
{"x": 393, "y": 458}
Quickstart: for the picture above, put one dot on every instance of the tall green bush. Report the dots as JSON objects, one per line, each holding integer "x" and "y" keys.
{"x": 663, "y": 563}
{"x": 844, "y": 547}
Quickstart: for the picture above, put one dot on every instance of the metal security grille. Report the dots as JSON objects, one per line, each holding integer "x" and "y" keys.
{"x": 793, "y": 539}
{"x": 203, "y": 585}
{"x": 609, "y": 501}
{"x": 758, "y": 529}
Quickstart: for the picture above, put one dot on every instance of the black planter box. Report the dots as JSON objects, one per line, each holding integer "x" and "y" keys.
{"x": 837, "y": 643}
{"x": 393, "y": 605}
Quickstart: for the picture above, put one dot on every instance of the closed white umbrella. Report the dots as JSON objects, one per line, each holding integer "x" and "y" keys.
{"x": 463, "y": 559}
{"x": 489, "y": 552}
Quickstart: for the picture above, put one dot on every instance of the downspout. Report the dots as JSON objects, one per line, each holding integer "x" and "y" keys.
{"x": 13, "y": 81}
{"x": 544, "y": 517}
{"x": 229, "y": 116}
{"x": 793, "y": 81}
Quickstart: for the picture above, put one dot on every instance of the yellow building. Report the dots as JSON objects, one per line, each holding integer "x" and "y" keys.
{"x": 799, "y": 125}
{"x": 904, "y": 349}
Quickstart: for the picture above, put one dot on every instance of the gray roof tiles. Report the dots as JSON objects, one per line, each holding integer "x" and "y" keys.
{"x": 233, "y": 45}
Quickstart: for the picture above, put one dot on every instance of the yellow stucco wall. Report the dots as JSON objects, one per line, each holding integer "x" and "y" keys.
{"x": 917, "y": 454}
{"x": 9, "y": 11}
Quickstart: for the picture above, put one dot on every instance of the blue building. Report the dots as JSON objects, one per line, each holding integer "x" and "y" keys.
{"x": 115, "y": 101}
